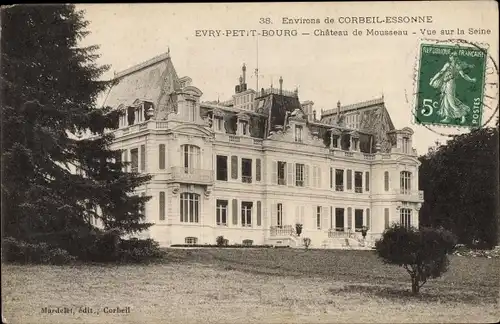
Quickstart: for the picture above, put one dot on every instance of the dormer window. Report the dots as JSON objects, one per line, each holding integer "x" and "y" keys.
{"x": 244, "y": 128}
{"x": 131, "y": 115}
{"x": 406, "y": 145}
{"x": 335, "y": 141}
{"x": 218, "y": 124}
{"x": 191, "y": 110}
{"x": 298, "y": 134}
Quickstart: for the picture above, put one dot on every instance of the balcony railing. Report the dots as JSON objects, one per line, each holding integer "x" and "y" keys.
{"x": 190, "y": 175}
{"x": 339, "y": 232}
{"x": 358, "y": 189}
{"x": 339, "y": 188}
{"x": 282, "y": 182}
{"x": 285, "y": 230}
{"x": 246, "y": 179}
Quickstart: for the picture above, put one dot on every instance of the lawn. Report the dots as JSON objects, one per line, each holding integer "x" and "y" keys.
{"x": 253, "y": 286}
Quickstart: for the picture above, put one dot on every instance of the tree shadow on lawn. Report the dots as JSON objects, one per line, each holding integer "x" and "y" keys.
{"x": 429, "y": 294}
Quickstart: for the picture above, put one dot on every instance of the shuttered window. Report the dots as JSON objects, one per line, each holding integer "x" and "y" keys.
{"x": 258, "y": 170}
{"x": 386, "y": 217}
{"x": 386, "y": 180}
{"x": 162, "y": 205}
{"x": 367, "y": 181}
{"x": 161, "y": 152}
{"x": 143, "y": 157}
{"x": 235, "y": 211}
{"x": 234, "y": 167}
{"x": 368, "y": 221}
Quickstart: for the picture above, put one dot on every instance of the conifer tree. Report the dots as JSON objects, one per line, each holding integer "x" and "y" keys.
{"x": 50, "y": 86}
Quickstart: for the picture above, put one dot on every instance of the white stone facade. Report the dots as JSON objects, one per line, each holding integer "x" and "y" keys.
{"x": 257, "y": 197}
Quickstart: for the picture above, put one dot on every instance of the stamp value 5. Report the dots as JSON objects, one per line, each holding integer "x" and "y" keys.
{"x": 450, "y": 85}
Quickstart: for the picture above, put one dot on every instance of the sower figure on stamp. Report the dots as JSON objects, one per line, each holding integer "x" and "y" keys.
{"x": 445, "y": 80}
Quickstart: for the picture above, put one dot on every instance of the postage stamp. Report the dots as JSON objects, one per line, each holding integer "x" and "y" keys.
{"x": 450, "y": 85}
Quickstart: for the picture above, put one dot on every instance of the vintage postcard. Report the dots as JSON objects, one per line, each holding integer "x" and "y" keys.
{"x": 250, "y": 162}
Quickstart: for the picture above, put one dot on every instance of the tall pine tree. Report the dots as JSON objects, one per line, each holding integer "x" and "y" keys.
{"x": 50, "y": 86}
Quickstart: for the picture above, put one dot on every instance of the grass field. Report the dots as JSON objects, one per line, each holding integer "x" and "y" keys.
{"x": 253, "y": 286}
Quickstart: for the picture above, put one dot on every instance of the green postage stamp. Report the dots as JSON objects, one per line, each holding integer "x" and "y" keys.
{"x": 450, "y": 85}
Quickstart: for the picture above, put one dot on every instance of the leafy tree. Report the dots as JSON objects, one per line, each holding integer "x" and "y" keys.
{"x": 461, "y": 187}
{"x": 49, "y": 88}
{"x": 423, "y": 253}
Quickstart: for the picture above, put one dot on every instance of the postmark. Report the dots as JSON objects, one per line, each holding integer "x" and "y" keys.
{"x": 463, "y": 93}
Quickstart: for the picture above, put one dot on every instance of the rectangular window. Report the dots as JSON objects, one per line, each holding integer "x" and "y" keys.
{"x": 349, "y": 180}
{"x": 161, "y": 152}
{"x": 339, "y": 219}
{"x": 339, "y": 180}
{"x": 318, "y": 217}
{"x": 246, "y": 214}
{"x": 298, "y": 134}
{"x": 367, "y": 181}
{"x": 405, "y": 179}
{"x": 358, "y": 182}
{"x": 358, "y": 220}
{"x": 258, "y": 170}
{"x": 190, "y": 158}
{"x": 405, "y": 215}
{"x": 299, "y": 175}
{"x": 143, "y": 158}
{"x": 281, "y": 173}
{"x": 162, "y": 205}
{"x": 246, "y": 170}
{"x": 406, "y": 145}
{"x": 191, "y": 105}
{"x": 134, "y": 157}
{"x": 221, "y": 215}
{"x": 221, "y": 164}
{"x": 279, "y": 214}
{"x": 234, "y": 167}
{"x": 244, "y": 128}
{"x": 190, "y": 207}
{"x": 386, "y": 217}
{"x": 219, "y": 124}
{"x": 386, "y": 180}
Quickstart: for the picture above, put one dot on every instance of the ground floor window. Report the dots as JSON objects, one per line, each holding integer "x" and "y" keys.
{"x": 221, "y": 217}
{"x": 358, "y": 220}
{"x": 339, "y": 219}
{"x": 191, "y": 240}
{"x": 246, "y": 214}
{"x": 190, "y": 207}
{"x": 405, "y": 215}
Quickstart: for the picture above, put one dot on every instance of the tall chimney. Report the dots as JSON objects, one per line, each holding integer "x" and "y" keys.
{"x": 244, "y": 69}
{"x": 281, "y": 85}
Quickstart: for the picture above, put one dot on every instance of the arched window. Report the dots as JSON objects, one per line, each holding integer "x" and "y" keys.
{"x": 190, "y": 158}
{"x": 190, "y": 207}
{"x": 405, "y": 180}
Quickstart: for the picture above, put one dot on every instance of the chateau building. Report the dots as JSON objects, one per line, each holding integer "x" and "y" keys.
{"x": 253, "y": 167}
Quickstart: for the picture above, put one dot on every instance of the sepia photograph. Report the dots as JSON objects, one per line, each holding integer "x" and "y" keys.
{"x": 319, "y": 162}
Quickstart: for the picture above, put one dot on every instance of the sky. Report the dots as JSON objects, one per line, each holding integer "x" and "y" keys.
{"x": 326, "y": 69}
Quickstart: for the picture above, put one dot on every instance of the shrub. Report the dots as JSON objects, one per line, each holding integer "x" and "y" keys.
{"x": 247, "y": 242}
{"x": 423, "y": 253}
{"x": 138, "y": 251}
{"x": 38, "y": 253}
{"x": 298, "y": 229}
{"x": 307, "y": 242}
{"x": 220, "y": 240}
